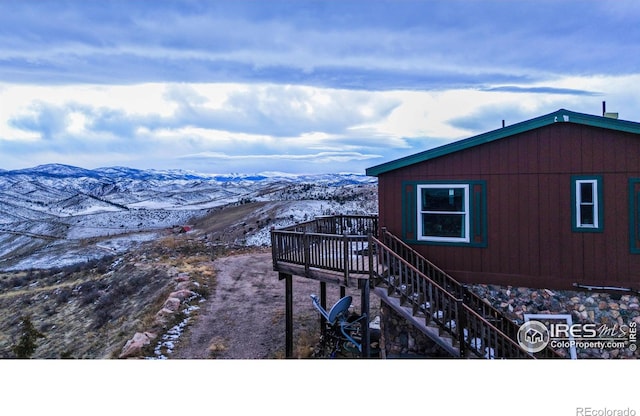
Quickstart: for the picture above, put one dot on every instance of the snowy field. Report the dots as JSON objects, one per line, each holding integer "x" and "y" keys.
{"x": 55, "y": 215}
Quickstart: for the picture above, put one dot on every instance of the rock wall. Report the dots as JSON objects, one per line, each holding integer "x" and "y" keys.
{"x": 400, "y": 339}
{"x": 612, "y": 310}
{"x": 178, "y": 301}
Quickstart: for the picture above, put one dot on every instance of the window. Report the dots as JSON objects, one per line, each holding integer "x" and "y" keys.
{"x": 448, "y": 213}
{"x": 443, "y": 213}
{"x": 587, "y": 204}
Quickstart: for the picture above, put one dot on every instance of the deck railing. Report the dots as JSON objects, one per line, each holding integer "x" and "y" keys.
{"x": 337, "y": 243}
{"x": 352, "y": 225}
{"x": 322, "y": 251}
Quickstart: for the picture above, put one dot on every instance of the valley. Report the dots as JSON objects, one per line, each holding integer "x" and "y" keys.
{"x": 90, "y": 258}
{"x": 58, "y": 215}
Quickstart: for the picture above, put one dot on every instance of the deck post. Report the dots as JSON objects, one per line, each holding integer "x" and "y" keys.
{"x": 274, "y": 252}
{"x": 370, "y": 252}
{"x": 462, "y": 324}
{"x": 306, "y": 252}
{"x": 288, "y": 313}
{"x": 346, "y": 256}
{"x": 323, "y": 303}
{"x": 364, "y": 310}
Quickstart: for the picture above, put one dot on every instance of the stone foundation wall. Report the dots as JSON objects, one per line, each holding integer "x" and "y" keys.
{"x": 400, "y": 339}
{"x": 613, "y": 311}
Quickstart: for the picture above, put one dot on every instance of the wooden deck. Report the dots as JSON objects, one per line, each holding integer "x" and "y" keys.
{"x": 310, "y": 250}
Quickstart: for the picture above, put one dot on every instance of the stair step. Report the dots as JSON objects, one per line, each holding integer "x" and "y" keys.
{"x": 432, "y": 332}
{"x": 418, "y": 307}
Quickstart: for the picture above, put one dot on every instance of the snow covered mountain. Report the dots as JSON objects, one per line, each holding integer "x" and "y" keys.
{"x": 59, "y": 214}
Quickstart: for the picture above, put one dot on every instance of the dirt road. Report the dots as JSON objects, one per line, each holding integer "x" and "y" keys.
{"x": 245, "y": 316}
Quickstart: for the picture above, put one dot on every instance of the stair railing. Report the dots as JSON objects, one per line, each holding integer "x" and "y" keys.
{"x": 470, "y": 332}
{"x": 470, "y": 298}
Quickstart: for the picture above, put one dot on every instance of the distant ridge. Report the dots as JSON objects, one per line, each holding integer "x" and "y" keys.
{"x": 56, "y": 170}
{"x": 53, "y": 170}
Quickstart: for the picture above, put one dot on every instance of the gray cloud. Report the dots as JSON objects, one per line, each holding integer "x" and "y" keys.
{"x": 260, "y": 123}
{"x": 321, "y": 157}
{"x": 490, "y": 118}
{"x": 386, "y": 45}
{"x": 542, "y": 90}
{"x": 301, "y": 163}
{"x": 270, "y": 110}
{"x": 45, "y": 119}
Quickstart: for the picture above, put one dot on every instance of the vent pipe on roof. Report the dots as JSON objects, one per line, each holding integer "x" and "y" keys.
{"x": 604, "y": 111}
{"x": 502, "y": 123}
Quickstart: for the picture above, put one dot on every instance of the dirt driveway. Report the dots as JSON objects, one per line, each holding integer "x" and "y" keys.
{"x": 245, "y": 316}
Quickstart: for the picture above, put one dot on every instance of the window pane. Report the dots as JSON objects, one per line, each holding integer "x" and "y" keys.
{"x": 586, "y": 192}
{"x": 586, "y": 215}
{"x": 443, "y": 199}
{"x": 443, "y": 225}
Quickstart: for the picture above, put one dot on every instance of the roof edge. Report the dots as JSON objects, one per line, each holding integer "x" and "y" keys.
{"x": 560, "y": 116}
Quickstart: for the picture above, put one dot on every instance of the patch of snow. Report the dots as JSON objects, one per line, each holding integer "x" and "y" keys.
{"x": 375, "y": 323}
{"x": 489, "y": 353}
{"x": 167, "y": 341}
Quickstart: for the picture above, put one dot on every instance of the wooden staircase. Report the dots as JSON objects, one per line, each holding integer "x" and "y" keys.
{"x": 446, "y": 311}
{"x": 341, "y": 249}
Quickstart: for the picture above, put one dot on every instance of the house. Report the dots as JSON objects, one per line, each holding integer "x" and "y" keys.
{"x": 550, "y": 202}
{"x": 533, "y": 336}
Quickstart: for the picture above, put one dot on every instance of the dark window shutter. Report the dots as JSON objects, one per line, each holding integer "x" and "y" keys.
{"x": 409, "y": 212}
{"x": 634, "y": 215}
{"x": 478, "y": 206}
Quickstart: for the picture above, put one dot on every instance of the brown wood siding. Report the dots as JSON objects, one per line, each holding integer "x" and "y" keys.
{"x": 530, "y": 241}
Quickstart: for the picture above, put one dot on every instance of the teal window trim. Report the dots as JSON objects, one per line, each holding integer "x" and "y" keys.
{"x": 460, "y": 214}
{"x": 634, "y": 216}
{"x": 578, "y": 202}
{"x": 477, "y": 212}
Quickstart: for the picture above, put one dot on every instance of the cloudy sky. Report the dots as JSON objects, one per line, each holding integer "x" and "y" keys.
{"x": 297, "y": 86}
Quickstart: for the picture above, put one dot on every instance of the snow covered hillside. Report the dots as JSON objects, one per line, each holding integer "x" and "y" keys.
{"x": 56, "y": 215}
